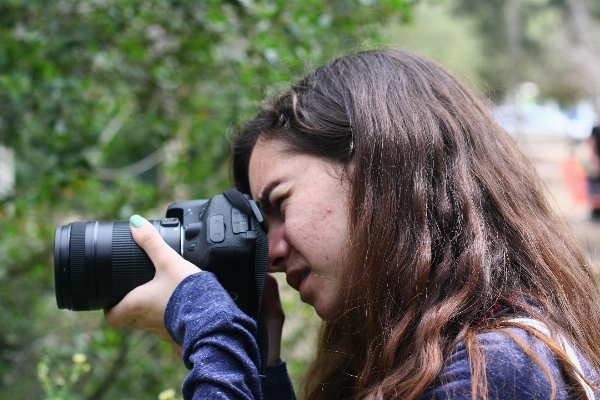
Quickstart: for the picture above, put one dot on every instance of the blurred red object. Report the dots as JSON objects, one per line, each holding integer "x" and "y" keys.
{"x": 575, "y": 181}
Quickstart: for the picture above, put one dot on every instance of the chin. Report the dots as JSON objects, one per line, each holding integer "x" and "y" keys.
{"x": 327, "y": 314}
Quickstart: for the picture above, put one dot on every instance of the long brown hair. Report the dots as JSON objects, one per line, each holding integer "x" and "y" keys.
{"x": 448, "y": 220}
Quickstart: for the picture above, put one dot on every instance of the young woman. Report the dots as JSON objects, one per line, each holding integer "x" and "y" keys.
{"x": 416, "y": 229}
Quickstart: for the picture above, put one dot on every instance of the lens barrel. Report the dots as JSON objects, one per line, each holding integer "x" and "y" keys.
{"x": 97, "y": 263}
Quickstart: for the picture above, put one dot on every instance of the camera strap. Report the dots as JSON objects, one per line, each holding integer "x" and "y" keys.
{"x": 248, "y": 207}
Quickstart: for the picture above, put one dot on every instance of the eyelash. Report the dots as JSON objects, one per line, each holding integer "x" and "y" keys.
{"x": 277, "y": 203}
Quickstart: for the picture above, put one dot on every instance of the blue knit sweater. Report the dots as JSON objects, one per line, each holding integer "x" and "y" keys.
{"x": 220, "y": 350}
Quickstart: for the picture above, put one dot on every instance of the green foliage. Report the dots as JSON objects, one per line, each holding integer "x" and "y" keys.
{"x": 54, "y": 383}
{"x": 541, "y": 51}
{"x": 115, "y": 107}
{"x": 447, "y": 38}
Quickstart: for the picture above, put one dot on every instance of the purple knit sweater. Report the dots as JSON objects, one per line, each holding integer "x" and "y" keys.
{"x": 220, "y": 350}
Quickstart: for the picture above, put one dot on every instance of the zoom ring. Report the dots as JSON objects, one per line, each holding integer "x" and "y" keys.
{"x": 131, "y": 266}
{"x": 77, "y": 266}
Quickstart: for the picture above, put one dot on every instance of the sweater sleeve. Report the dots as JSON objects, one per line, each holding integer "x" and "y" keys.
{"x": 217, "y": 339}
{"x": 510, "y": 372}
{"x": 219, "y": 345}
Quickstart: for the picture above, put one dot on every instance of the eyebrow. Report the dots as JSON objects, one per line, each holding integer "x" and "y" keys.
{"x": 263, "y": 197}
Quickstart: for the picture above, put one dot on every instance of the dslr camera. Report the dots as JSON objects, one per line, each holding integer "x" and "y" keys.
{"x": 97, "y": 263}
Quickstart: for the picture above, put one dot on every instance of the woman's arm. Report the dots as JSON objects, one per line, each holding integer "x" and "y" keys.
{"x": 217, "y": 339}
{"x": 190, "y": 309}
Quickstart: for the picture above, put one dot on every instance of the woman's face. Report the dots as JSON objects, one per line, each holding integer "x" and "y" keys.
{"x": 305, "y": 202}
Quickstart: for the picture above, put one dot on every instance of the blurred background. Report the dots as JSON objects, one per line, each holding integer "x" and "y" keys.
{"x": 109, "y": 108}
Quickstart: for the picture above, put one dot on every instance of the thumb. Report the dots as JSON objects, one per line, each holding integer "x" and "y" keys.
{"x": 149, "y": 239}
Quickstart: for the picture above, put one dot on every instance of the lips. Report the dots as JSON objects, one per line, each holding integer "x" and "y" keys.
{"x": 296, "y": 277}
{"x": 304, "y": 275}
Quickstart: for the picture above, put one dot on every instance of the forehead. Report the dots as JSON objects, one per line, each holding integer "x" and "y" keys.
{"x": 273, "y": 162}
{"x": 268, "y": 159}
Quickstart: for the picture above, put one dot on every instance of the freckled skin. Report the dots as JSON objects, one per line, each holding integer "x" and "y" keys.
{"x": 309, "y": 230}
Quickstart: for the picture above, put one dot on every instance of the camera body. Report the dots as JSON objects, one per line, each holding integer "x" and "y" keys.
{"x": 97, "y": 263}
{"x": 219, "y": 238}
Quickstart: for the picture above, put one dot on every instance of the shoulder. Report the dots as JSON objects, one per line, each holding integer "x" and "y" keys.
{"x": 511, "y": 371}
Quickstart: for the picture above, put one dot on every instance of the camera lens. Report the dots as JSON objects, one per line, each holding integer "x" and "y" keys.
{"x": 97, "y": 263}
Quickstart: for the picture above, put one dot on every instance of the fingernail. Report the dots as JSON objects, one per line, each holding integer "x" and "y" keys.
{"x": 137, "y": 221}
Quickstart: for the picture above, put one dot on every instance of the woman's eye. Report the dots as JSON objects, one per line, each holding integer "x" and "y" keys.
{"x": 277, "y": 203}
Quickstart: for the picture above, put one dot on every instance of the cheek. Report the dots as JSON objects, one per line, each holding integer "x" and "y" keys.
{"x": 316, "y": 229}
{"x": 310, "y": 233}
{"x": 301, "y": 231}
{"x": 333, "y": 222}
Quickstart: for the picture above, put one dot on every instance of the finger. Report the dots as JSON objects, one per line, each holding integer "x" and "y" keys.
{"x": 271, "y": 301}
{"x": 117, "y": 316}
{"x": 275, "y": 318}
{"x": 148, "y": 238}
{"x": 135, "y": 306}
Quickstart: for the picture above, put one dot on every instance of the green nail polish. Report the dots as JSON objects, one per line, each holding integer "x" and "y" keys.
{"x": 137, "y": 221}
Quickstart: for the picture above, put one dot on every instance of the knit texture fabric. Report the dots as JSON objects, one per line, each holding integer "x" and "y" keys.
{"x": 220, "y": 350}
{"x": 219, "y": 347}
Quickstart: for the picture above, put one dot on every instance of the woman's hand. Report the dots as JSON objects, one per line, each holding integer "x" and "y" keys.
{"x": 144, "y": 307}
{"x": 274, "y": 316}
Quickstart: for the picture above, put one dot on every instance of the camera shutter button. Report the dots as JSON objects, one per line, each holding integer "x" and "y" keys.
{"x": 192, "y": 230}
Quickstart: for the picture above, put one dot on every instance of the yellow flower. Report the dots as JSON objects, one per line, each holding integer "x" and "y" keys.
{"x": 168, "y": 394}
{"x": 79, "y": 358}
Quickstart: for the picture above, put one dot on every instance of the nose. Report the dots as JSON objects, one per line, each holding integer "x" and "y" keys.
{"x": 279, "y": 248}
